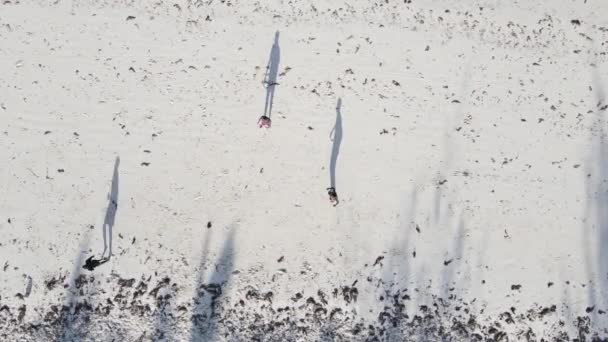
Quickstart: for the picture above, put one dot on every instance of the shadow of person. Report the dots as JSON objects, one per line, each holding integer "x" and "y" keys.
{"x": 336, "y": 137}
{"x": 108, "y": 222}
{"x": 270, "y": 80}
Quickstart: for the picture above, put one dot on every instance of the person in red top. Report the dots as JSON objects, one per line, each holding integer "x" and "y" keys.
{"x": 264, "y": 121}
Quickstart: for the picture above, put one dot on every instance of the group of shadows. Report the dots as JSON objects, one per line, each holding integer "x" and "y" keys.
{"x": 270, "y": 82}
{"x": 597, "y": 206}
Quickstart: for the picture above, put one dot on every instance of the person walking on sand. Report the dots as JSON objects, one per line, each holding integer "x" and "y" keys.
{"x": 270, "y": 81}
{"x": 333, "y": 196}
{"x": 264, "y": 121}
{"x": 90, "y": 264}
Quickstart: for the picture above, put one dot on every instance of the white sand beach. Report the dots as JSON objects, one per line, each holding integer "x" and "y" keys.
{"x": 466, "y": 141}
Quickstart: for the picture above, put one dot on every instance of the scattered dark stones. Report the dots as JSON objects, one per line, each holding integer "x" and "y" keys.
{"x": 281, "y": 258}
{"x": 51, "y": 283}
{"x": 126, "y": 282}
{"x": 254, "y": 317}
{"x": 350, "y": 294}
{"x": 21, "y": 310}
{"x": 162, "y": 283}
{"x": 515, "y": 287}
{"x": 575, "y": 22}
{"x": 208, "y": 224}
{"x": 297, "y": 297}
{"x": 130, "y": 18}
{"x": 547, "y": 310}
{"x": 447, "y": 262}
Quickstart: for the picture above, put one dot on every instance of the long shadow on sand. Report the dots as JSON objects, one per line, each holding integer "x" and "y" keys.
{"x": 108, "y": 223}
{"x": 336, "y": 137}
{"x": 453, "y": 262}
{"x": 68, "y": 328}
{"x": 270, "y": 77}
{"x": 596, "y": 230}
{"x": 210, "y": 287}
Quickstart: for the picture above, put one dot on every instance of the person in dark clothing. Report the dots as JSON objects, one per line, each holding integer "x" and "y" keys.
{"x": 333, "y": 196}
{"x": 90, "y": 264}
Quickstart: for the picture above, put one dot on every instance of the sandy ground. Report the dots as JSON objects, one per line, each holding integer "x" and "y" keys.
{"x": 470, "y": 162}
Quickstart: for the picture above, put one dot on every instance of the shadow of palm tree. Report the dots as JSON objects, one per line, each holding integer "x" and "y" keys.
{"x": 395, "y": 291}
{"x": 596, "y": 213}
{"x": 164, "y": 319}
{"x": 68, "y": 329}
{"x": 110, "y": 217}
{"x": 453, "y": 263}
{"x": 210, "y": 288}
